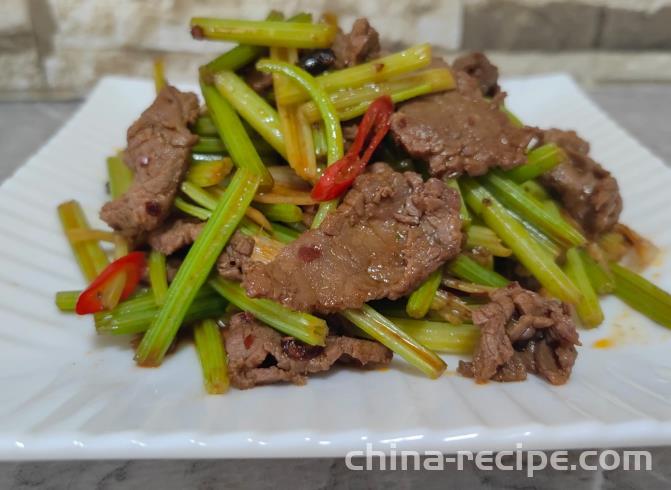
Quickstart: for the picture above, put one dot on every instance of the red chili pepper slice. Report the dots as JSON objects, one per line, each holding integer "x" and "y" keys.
{"x": 132, "y": 265}
{"x": 339, "y": 176}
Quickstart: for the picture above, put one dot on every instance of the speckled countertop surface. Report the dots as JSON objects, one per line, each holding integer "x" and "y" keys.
{"x": 643, "y": 110}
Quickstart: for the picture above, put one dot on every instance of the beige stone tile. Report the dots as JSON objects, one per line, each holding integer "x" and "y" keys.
{"x": 19, "y": 70}
{"x": 14, "y": 17}
{"x": 634, "y": 30}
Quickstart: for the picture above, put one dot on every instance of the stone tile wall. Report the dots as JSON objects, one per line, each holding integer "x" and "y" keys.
{"x": 58, "y": 48}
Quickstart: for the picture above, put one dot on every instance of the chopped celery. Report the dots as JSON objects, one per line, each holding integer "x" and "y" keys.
{"x": 441, "y": 336}
{"x": 158, "y": 276}
{"x": 469, "y": 270}
{"x": 197, "y": 266}
{"x": 421, "y": 299}
{"x": 387, "y": 333}
{"x": 512, "y": 196}
{"x": 212, "y": 355}
{"x": 642, "y": 295}
{"x": 303, "y": 326}
{"x": 588, "y": 308}
{"x": 89, "y": 255}
{"x": 252, "y": 108}
{"x": 334, "y": 140}
{"x": 66, "y": 301}
{"x": 529, "y": 253}
{"x": 377, "y": 70}
{"x": 119, "y": 175}
{"x": 539, "y": 160}
{"x": 264, "y": 32}
{"x": 286, "y": 213}
{"x": 463, "y": 210}
{"x": 236, "y": 139}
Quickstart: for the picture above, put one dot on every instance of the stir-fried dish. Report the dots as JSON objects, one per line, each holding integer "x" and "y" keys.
{"x": 328, "y": 202}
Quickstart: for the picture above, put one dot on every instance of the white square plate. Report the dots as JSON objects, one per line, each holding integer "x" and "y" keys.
{"x": 67, "y": 393}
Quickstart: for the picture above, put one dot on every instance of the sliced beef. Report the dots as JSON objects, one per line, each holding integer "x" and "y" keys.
{"x": 360, "y": 45}
{"x": 390, "y": 232}
{"x": 459, "y": 131}
{"x": 235, "y": 257}
{"x": 587, "y": 191}
{"x": 259, "y": 355}
{"x": 175, "y": 235}
{"x": 259, "y": 81}
{"x": 158, "y": 149}
{"x": 349, "y": 130}
{"x": 478, "y": 66}
{"x": 309, "y": 213}
{"x": 522, "y": 332}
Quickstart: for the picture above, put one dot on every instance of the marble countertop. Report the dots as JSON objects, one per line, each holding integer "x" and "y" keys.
{"x": 642, "y": 109}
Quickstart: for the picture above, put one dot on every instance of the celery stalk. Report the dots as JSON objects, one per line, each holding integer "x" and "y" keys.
{"x": 440, "y": 336}
{"x": 421, "y": 299}
{"x": 119, "y": 175}
{"x": 469, "y": 270}
{"x": 197, "y": 266}
{"x": 601, "y": 279}
{"x": 529, "y": 253}
{"x": 334, "y": 141}
{"x": 89, "y": 255}
{"x": 463, "y": 210}
{"x": 284, "y": 234}
{"x": 159, "y": 75}
{"x": 158, "y": 276}
{"x": 353, "y": 102}
{"x": 303, "y": 326}
{"x": 539, "y": 160}
{"x": 588, "y": 308}
{"x": 210, "y": 173}
{"x": 482, "y": 237}
{"x": 642, "y": 295}
{"x": 212, "y": 355}
{"x": 139, "y": 319}
{"x": 234, "y": 136}
{"x": 387, "y": 333}
{"x": 374, "y": 71}
{"x": 286, "y": 213}
{"x": 238, "y": 57}
{"x": 209, "y": 144}
{"x": 66, "y": 301}
{"x": 295, "y": 127}
{"x": 264, "y": 32}
{"x": 192, "y": 210}
{"x": 512, "y": 196}
{"x": 252, "y": 108}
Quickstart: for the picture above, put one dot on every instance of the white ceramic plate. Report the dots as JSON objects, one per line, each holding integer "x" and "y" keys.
{"x": 66, "y": 393}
